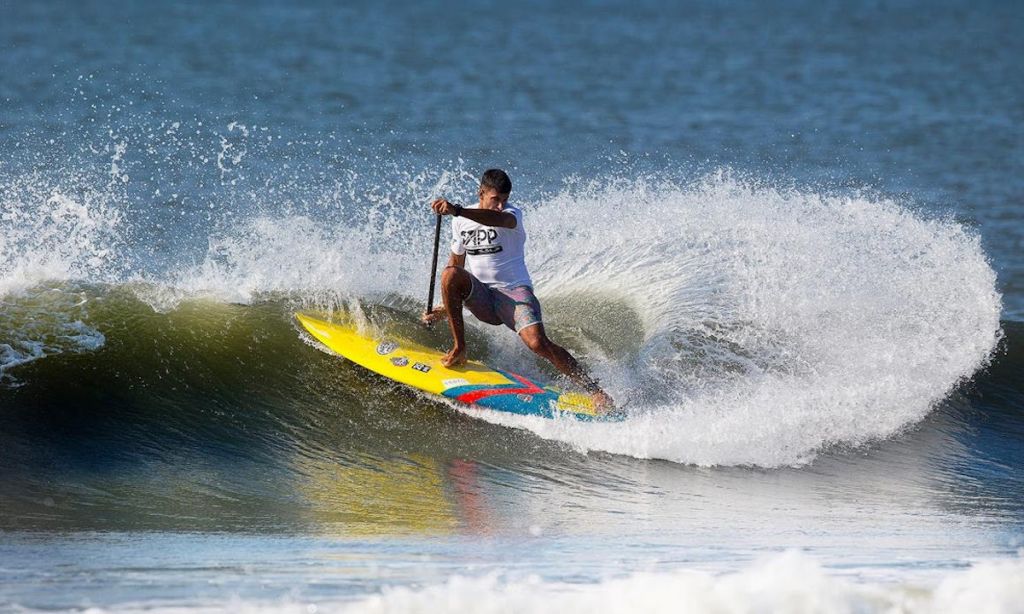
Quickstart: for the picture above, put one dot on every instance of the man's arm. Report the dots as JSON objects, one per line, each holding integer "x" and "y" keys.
{"x": 458, "y": 260}
{"x": 487, "y": 217}
{"x": 490, "y": 217}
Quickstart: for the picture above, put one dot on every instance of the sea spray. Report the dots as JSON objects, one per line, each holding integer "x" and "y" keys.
{"x": 742, "y": 323}
{"x": 775, "y": 322}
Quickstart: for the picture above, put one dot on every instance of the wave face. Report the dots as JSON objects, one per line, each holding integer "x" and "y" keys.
{"x": 742, "y": 323}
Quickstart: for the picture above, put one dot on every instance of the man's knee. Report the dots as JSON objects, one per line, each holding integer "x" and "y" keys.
{"x": 449, "y": 273}
{"x": 454, "y": 276}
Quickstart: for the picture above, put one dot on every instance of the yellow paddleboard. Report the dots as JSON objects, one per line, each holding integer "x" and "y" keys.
{"x": 474, "y": 384}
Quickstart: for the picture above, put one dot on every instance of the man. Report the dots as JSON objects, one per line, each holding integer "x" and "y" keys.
{"x": 490, "y": 238}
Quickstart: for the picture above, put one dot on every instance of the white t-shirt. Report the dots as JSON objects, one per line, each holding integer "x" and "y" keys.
{"x": 494, "y": 255}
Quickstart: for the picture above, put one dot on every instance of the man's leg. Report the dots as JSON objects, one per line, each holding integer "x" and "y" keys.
{"x": 537, "y": 340}
{"x": 456, "y": 284}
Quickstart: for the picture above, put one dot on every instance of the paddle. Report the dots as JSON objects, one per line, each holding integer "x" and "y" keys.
{"x": 433, "y": 266}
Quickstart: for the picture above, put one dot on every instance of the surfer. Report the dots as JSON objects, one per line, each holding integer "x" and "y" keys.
{"x": 497, "y": 288}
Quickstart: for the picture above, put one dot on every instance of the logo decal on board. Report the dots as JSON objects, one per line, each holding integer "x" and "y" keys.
{"x": 386, "y": 347}
{"x": 419, "y": 366}
{"x": 455, "y": 381}
{"x": 399, "y": 361}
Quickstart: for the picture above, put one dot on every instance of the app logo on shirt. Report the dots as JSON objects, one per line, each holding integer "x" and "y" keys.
{"x": 480, "y": 241}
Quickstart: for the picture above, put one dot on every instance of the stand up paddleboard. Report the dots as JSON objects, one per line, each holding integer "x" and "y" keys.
{"x": 473, "y": 384}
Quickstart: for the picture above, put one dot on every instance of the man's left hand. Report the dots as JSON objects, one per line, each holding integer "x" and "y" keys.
{"x": 439, "y": 313}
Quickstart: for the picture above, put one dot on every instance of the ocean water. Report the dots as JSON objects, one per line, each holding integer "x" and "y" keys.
{"x": 787, "y": 234}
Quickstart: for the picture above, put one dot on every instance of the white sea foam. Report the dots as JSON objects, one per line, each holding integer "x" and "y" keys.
{"x": 773, "y": 322}
{"x": 790, "y": 582}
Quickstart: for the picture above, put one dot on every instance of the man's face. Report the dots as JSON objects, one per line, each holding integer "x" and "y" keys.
{"x": 491, "y": 199}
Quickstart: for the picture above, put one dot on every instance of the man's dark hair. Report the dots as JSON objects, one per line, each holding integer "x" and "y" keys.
{"x": 496, "y": 179}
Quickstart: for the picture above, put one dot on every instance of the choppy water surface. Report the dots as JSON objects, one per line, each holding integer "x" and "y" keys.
{"x": 789, "y": 236}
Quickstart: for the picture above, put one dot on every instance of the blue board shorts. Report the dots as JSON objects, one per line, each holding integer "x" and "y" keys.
{"x": 516, "y": 308}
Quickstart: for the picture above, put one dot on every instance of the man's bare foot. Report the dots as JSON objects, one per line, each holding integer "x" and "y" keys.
{"x": 602, "y": 402}
{"x": 454, "y": 358}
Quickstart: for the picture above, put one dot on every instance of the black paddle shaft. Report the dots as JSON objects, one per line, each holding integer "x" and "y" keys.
{"x": 433, "y": 265}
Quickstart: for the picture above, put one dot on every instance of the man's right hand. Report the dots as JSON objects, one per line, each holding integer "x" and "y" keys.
{"x": 441, "y": 206}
